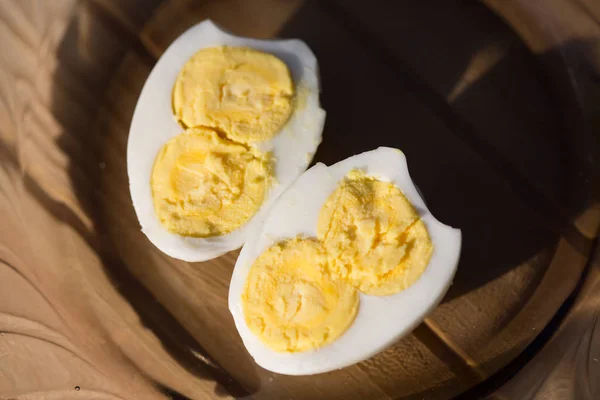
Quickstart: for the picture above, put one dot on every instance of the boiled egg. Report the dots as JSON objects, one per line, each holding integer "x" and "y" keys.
{"x": 223, "y": 125}
{"x": 348, "y": 260}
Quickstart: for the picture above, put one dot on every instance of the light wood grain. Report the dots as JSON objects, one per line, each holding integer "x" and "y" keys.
{"x": 91, "y": 338}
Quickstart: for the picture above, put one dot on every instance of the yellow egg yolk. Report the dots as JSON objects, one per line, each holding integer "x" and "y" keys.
{"x": 292, "y": 303}
{"x": 205, "y": 185}
{"x": 373, "y": 236}
{"x": 244, "y": 93}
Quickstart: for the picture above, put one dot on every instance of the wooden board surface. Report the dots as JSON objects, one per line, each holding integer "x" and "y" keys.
{"x": 90, "y": 309}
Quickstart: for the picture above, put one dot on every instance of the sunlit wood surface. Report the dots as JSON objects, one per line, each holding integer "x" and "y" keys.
{"x": 496, "y": 111}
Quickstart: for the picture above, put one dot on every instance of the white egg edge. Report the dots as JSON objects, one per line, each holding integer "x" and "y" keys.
{"x": 296, "y": 143}
{"x": 380, "y": 321}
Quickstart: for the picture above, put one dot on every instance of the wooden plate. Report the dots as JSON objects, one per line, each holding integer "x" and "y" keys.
{"x": 496, "y": 126}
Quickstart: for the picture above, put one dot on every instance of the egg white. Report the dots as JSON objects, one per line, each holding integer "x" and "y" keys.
{"x": 153, "y": 125}
{"x": 380, "y": 320}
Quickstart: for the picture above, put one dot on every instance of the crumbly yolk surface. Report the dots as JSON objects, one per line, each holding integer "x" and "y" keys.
{"x": 205, "y": 185}
{"x": 244, "y": 93}
{"x": 373, "y": 236}
{"x": 290, "y": 300}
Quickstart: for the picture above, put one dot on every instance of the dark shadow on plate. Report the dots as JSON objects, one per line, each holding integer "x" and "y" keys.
{"x": 372, "y": 99}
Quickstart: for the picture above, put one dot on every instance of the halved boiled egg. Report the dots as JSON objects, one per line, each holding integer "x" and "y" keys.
{"x": 223, "y": 125}
{"x": 349, "y": 260}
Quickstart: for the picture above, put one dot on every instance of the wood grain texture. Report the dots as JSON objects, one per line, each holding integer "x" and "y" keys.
{"x": 569, "y": 366}
{"x": 90, "y": 309}
{"x": 77, "y": 331}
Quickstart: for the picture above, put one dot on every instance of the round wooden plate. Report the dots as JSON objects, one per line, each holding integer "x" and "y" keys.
{"x": 496, "y": 126}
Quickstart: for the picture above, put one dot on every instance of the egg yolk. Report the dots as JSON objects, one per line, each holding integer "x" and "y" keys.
{"x": 292, "y": 303}
{"x": 244, "y": 93}
{"x": 205, "y": 185}
{"x": 373, "y": 236}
